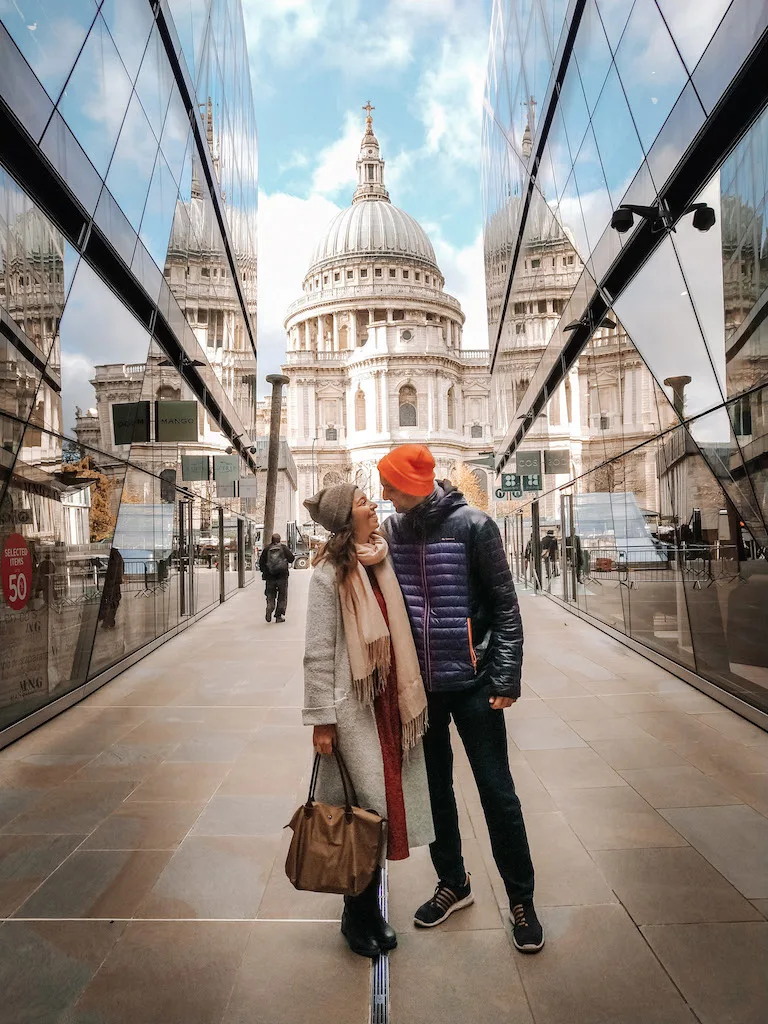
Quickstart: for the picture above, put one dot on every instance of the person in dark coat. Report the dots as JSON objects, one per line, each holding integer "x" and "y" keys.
{"x": 461, "y": 601}
{"x": 112, "y": 592}
{"x": 274, "y": 562}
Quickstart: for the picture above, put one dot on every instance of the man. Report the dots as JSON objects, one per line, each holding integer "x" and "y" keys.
{"x": 549, "y": 552}
{"x": 465, "y": 618}
{"x": 274, "y": 562}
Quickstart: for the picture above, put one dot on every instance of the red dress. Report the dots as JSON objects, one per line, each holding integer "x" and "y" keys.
{"x": 387, "y": 712}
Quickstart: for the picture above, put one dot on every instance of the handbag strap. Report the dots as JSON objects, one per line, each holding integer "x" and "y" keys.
{"x": 350, "y": 796}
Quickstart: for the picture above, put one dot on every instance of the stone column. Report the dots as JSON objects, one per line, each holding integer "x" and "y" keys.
{"x": 320, "y": 334}
{"x": 335, "y": 342}
{"x": 352, "y": 333}
{"x": 307, "y": 340}
{"x": 383, "y": 392}
{"x": 430, "y": 403}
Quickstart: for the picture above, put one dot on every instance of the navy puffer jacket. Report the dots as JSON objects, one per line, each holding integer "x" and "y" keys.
{"x": 460, "y": 596}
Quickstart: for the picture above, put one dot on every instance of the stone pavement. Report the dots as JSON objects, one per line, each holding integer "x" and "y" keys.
{"x": 141, "y": 849}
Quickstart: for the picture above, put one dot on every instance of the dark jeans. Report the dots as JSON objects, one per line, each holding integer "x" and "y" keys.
{"x": 277, "y": 592}
{"x": 484, "y": 735}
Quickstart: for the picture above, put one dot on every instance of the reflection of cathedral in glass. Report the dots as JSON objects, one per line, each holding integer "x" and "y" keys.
{"x": 634, "y": 339}
{"x": 127, "y": 338}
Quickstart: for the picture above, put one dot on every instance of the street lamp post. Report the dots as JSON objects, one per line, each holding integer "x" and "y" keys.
{"x": 277, "y": 381}
{"x": 314, "y": 467}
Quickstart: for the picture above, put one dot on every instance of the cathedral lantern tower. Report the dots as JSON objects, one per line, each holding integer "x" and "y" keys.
{"x": 375, "y": 355}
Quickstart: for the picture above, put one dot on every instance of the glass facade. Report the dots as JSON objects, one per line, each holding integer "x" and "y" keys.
{"x": 128, "y": 190}
{"x": 629, "y": 349}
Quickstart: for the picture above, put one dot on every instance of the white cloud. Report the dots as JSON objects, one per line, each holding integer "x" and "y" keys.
{"x": 450, "y": 96}
{"x": 289, "y": 228}
{"x": 335, "y": 168}
{"x": 464, "y": 275}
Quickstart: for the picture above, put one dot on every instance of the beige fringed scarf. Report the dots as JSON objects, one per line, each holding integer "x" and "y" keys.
{"x": 370, "y": 643}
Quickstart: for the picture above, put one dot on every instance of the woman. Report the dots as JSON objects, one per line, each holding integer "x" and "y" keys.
{"x": 363, "y": 692}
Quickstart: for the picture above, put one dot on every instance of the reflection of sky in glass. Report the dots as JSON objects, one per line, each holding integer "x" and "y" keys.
{"x": 693, "y": 25}
{"x": 701, "y": 257}
{"x": 158, "y": 215}
{"x": 592, "y": 54}
{"x": 593, "y": 194}
{"x": 655, "y": 308}
{"x": 96, "y": 97}
{"x": 95, "y": 328}
{"x": 616, "y": 138}
{"x": 574, "y": 108}
{"x": 614, "y": 15}
{"x": 49, "y": 35}
{"x": 650, "y": 68}
{"x": 131, "y": 168}
{"x": 154, "y": 83}
{"x": 129, "y": 23}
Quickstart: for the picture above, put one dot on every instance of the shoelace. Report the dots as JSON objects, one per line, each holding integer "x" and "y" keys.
{"x": 444, "y": 897}
{"x": 518, "y": 913}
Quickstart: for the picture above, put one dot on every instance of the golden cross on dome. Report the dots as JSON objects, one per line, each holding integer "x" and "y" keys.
{"x": 368, "y": 108}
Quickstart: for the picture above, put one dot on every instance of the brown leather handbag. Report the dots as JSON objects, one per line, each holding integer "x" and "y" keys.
{"x": 334, "y": 849}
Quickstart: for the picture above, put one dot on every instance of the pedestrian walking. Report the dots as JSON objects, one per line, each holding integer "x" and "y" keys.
{"x": 363, "y": 692}
{"x": 274, "y": 562}
{"x": 466, "y": 624}
{"x": 549, "y": 552}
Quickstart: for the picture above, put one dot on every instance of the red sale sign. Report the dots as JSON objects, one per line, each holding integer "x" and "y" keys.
{"x": 16, "y": 572}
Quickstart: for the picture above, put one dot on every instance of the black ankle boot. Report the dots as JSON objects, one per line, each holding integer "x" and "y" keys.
{"x": 380, "y": 927}
{"x": 357, "y": 926}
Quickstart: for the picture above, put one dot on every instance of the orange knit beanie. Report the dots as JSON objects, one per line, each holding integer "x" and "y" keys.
{"x": 410, "y": 468}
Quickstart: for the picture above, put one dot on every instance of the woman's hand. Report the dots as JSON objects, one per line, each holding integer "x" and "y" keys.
{"x": 324, "y": 738}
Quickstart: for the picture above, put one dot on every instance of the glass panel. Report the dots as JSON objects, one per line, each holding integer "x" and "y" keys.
{"x": 20, "y": 88}
{"x": 49, "y": 35}
{"x": 89, "y": 307}
{"x": 592, "y": 53}
{"x": 129, "y": 23}
{"x": 744, "y": 22}
{"x": 593, "y": 193}
{"x": 692, "y": 33}
{"x": 155, "y": 83}
{"x": 62, "y": 505}
{"x": 616, "y": 138}
{"x": 614, "y": 15}
{"x": 158, "y": 214}
{"x": 67, "y": 156}
{"x": 650, "y": 69}
{"x": 230, "y": 553}
{"x": 96, "y": 97}
{"x": 666, "y": 331}
{"x": 130, "y": 171}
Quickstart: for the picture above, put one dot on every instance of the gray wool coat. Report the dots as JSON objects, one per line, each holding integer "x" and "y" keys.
{"x": 329, "y": 697}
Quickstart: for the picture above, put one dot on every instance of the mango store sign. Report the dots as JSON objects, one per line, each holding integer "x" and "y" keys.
{"x": 176, "y": 421}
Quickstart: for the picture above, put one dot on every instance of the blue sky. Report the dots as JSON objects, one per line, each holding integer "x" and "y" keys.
{"x": 314, "y": 64}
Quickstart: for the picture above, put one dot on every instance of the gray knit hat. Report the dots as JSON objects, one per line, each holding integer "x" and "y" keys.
{"x": 332, "y": 507}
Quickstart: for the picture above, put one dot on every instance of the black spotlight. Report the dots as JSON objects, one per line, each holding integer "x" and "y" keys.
{"x": 622, "y": 220}
{"x": 703, "y": 216}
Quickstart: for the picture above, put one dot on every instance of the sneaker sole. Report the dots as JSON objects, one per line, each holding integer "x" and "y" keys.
{"x": 528, "y": 949}
{"x": 458, "y": 905}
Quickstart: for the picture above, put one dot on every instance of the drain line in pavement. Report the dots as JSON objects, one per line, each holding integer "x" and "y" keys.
{"x": 380, "y": 967}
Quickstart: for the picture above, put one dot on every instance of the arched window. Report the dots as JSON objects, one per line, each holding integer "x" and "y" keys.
{"x": 359, "y": 410}
{"x": 407, "y": 401}
{"x": 451, "y": 409}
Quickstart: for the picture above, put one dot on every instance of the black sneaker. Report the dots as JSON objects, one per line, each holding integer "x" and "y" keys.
{"x": 527, "y": 933}
{"x": 280, "y": 618}
{"x": 268, "y": 616}
{"x": 443, "y": 904}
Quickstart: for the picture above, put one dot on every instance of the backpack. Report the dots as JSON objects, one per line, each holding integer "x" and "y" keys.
{"x": 277, "y": 563}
